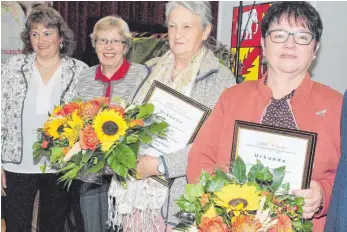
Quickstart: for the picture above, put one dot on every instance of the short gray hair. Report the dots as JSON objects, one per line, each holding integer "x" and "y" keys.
{"x": 199, "y": 8}
{"x": 110, "y": 22}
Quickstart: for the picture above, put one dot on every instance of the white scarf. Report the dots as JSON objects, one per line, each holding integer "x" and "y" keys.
{"x": 137, "y": 208}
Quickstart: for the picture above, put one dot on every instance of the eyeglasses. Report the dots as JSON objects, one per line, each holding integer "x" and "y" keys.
{"x": 116, "y": 42}
{"x": 280, "y": 36}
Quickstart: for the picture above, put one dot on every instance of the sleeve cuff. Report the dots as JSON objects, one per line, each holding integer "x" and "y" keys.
{"x": 323, "y": 209}
{"x": 165, "y": 167}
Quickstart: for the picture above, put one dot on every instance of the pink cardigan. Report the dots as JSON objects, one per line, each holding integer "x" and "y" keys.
{"x": 247, "y": 102}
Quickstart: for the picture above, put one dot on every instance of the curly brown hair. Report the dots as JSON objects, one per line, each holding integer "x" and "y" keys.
{"x": 49, "y": 18}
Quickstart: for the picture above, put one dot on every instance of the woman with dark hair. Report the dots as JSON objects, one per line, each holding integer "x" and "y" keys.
{"x": 31, "y": 85}
{"x": 285, "y": 97}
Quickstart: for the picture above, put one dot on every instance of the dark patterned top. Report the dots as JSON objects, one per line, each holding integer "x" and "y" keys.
{"x": 279, "y": 114}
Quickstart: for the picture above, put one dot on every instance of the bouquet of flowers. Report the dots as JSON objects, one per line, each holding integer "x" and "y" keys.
{"x": 237, "y": 201}
{"x": 87, "y": 136}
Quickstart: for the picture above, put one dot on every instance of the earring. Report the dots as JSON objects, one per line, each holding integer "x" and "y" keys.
{"x": 314, "y": 57}
{"x": 61, "y": 46}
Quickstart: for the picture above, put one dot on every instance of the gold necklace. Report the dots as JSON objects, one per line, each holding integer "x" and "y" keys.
{"x": 45, "y": 70}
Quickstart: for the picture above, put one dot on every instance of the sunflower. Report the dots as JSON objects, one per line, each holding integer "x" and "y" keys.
{"x": 56, "y": 110}
{"x": 109, "y": 127}
{"x": 238, "y": 198}
{"x": 54, "y": 127}
{"x": 75, "y": 126}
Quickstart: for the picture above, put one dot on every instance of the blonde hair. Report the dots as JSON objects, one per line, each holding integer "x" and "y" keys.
{"x": 110, "y": 22}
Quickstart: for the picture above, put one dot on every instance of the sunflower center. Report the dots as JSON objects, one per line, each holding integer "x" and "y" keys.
{"x": 235, "y": 202}
{"x": 110, "y": 128}
{"x": 60, "y": 129}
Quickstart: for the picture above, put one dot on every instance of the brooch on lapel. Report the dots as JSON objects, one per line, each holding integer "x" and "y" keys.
{"x": 321, "y": 113}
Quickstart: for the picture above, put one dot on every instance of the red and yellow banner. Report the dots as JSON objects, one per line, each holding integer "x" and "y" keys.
{"x": 250, "y": 56}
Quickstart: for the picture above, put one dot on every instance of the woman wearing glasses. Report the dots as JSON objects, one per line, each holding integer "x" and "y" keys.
{"x": 113, "y": 77}
{"x": 285, "y": 97}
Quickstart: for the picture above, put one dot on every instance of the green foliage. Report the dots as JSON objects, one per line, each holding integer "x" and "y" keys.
{"x": 145, "y": 111}
{"x": 97, "y": 167}
{"x": 124, "y": 155}
{"x": 204, "y": 178}
{"x": 121, "y": 159}
{"x": 239, "y": 170}
{"x": 215, "y": 184}
{"x": 193, "y": 191}
{"x": 186, "y": 205}
{"x": 278, "y": 177}
{"x": 157, "y": 127}
{"x": 43, "y": 168}
{"x": 56, "y": 154}
{"x": 267, "y": 181}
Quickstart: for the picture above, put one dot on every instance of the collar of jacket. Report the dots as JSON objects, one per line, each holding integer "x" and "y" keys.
{"x": 209, "y": 65}
{"x": 300, "y": 94}
{"x": 67, "y": 74}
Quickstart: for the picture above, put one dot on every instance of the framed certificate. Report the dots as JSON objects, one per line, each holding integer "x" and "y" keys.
{"x": 184, "y": 116}
{"x": 275, "y": 147}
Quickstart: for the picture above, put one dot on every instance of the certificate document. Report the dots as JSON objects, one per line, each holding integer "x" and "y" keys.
{"x": 184, "y": 116}
{"x": 275, "y": 147}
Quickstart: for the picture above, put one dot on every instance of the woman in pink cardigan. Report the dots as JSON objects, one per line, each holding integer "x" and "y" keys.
{"x": 285, "y": 97}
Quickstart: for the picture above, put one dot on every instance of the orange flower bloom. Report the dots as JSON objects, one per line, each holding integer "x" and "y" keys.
{"x": 90, "y": 110}
{"x": 265, "y": 193}
{"x": 204, "y": 199}
{"x": 284, "y": 224}
{"x": 215, "y": 224}
{"x": 88, "y": 138}
{"x": 118, "y": 109}
{"x": 69, "y": 109}
{"x": 246, "y": 224}
{"x": 137, "y": 122}
{"x": 66, "y": 150}
{"x": 102, "y": 101}
{"x": 44, "y": 144}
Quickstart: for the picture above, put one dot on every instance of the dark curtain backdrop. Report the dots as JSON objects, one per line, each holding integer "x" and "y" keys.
{"x": 148, "y": 16}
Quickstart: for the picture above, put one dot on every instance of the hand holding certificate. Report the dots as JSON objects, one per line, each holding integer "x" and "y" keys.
{"x": 184, "y": 116}
{"x": 276, "y": 147}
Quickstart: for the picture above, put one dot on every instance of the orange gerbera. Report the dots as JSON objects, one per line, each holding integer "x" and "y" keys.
{"x": 215, "y": 224}
{"x": 117, "y": 109}
{"x": 88, "y": 138}
{"x": 68, "y": 109}
{"x": 283, "y": 224}
{"x": 246, "y": 223}
{"x": 90, "y": 110}
{"x": 205, "y": 199}
{"x": 137, "y": 122}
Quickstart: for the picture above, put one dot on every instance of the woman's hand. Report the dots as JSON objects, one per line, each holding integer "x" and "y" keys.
{"x": 313, "y": 199}
{"x": 147, "y": 166}
{"x": 3, "y": 182}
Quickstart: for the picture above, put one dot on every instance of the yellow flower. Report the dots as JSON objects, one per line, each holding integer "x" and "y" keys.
{"x": 211, "y": 212}
{"x": 238, "y": 198}
{"x": 56, "y": 110}
{"x": 109, "y": 127}
{"x": 54, "y": 127}
{"x": 72, "y": 132}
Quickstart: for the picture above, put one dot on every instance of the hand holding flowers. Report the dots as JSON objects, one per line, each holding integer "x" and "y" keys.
{"x": 313, "y": 199}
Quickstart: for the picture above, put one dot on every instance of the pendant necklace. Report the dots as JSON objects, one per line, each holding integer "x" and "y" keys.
{"x": 45, "y": 70}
